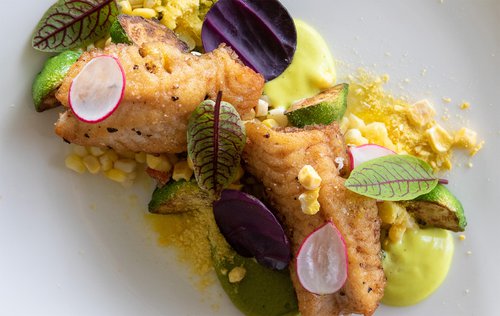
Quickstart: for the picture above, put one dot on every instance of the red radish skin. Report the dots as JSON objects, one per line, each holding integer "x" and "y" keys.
{"x": 107, "y": 111}
{"x": 342, "y": 269}
{"x": 374, "y": 151}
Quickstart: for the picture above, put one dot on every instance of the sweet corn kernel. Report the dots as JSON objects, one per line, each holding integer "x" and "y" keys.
{"x": 354, "y": 137}
{"x": 125, "y": 7}
{"x": 106, "y": 162}
{"x": 376, "y": 132}
{"x": 356, "y": 122}
{"x": 396, "y": 232}
{"x": 309, "y": 178}
{"x": 421, "y": 113}
{"x": 236, "y": 274}
{"x": 112, "y": 155}
{"x": 144, "y": 12}
{"x": 74, "y": 162}
{"x": 96, "y": 151}
{"x": 262, "y": 108}
{"x": 281, "y": 119}
{"x": 80, "y": 150}
{"x": 389, "y": 211}
{"x": 309, "y": 202}
{"x": 271, "y": 123}
{"x": 160, "y": 163}
{"x": 439, "y": 139}
{"x": 151, "y": 3}
{"x": 182, "y": 171}
{"x": 465, "y": 138}
{"x": 116, "y": 175}
{"x": 125, "y": 165}
{"x": 92, "y": 164}
{"x": 140, "y": 157}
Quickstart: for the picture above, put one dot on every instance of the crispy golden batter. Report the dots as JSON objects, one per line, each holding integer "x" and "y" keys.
{"x": 163, "y": 86}
{"x": 275, "y": 157}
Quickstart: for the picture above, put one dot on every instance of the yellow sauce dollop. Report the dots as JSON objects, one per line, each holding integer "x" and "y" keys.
{"x": 417, "y": 265}
{"x": 311, "y": 71}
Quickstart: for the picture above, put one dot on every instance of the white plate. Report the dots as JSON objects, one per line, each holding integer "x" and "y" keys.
{"x": 78, "y": 245}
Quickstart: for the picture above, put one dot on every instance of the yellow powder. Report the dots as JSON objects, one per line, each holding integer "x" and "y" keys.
{"x": 371, "y": 103}
{"x": 194, "y": 235}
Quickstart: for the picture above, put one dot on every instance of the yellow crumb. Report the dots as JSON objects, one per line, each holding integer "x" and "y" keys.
{"x": 465, "y": 105}
{"x": 461, "y": 237}
{"x": 405, "y": 125}
{"x": 446, "y": 100}
{"x": 192, "y": 234}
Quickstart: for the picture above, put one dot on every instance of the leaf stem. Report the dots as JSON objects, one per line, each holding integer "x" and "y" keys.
{"x": 216, "y": 138}
{"x": 443, "y": 181}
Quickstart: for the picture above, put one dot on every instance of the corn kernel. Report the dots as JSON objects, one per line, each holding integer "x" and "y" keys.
{"x": 160, "y": 163}
{"x": 96, "y": 151}
{"x": 439, "y": 139}
{"x": 125, "y": 165}
{"x": 236, "y": 274}
{"x": 151, "y": 3}
{"x": 354, "y": 137}
{"x": 465, "y": 138}
{"x": 309, "y": 202}
{"x": 125, "y": 7}
{"x": 144, "y": 12}
{"x": 106, "y": 162}
{"x": 389, "y": 211}
{"x": 421, "y": 113}
{"x": 80, "y": 150}
{"x": 92, "y": 164}
{"x": 309, "y": 178}
{"x": 116, "y": 175}
{"x": 271, "y": 123}
{"x": 74, "y": 162}
{"x": 262, "y": 108}
{"x": 140, "y": 157}
{"x": 356, "y": 122}
{"x": 396, "y": 232}
{"x": 182, "y": 171}
{"x": 112, "y": 155}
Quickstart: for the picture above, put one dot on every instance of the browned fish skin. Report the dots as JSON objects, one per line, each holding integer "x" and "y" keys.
{"x": 163, "y": 87}
{"x": 276, "y": 157}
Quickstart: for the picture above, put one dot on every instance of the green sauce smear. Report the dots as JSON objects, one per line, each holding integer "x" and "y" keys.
{"x": 417, "y": 265}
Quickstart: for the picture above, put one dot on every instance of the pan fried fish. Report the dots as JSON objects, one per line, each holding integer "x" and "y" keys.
{"x": 163, "y": 86}
{"x": 275, "y": 157}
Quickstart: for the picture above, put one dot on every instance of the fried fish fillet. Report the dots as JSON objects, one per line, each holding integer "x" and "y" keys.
{"x": 163, "y": 86}
{"x": 275, "y": 157}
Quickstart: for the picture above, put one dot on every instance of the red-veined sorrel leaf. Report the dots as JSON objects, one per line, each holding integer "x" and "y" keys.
{"x": 73, "y": 23}
{"x": 216, "y": 137}
{"x": 392, "y": 178}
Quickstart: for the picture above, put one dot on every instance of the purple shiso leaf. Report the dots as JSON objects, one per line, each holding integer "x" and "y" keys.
{"x": 261, "y": 32}
{"x": 251, "y": 229}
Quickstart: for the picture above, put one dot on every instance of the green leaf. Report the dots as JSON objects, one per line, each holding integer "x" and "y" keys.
{"x": 73, "y": 23}
{"x": 216, "y": 137}
{"x": 392, "y": 178}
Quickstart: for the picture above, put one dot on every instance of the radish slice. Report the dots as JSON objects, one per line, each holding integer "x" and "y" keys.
{"x": 363, "y": 153}
{"x": 98, "y": 89}
{"x": 322, "y": 261}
